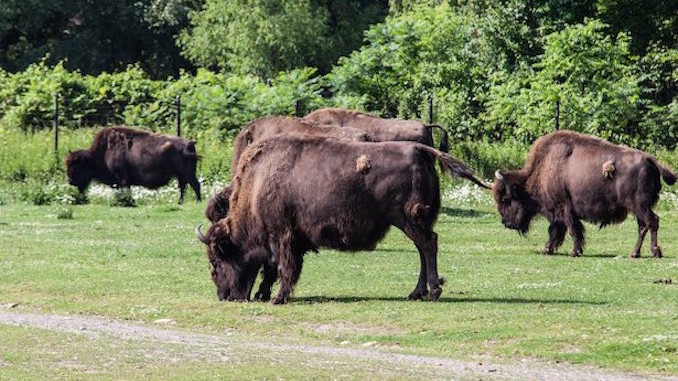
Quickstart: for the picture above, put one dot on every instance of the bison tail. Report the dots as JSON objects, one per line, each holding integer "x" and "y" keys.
{"x": 457, "y": 168}
{"x": 444, "y": 143}
{"x": 189, "y": 151}
{"x": 668, "y": 175}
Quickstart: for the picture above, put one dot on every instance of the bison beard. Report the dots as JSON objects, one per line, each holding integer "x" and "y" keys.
{"x": 569, "y": 177}
{"x": 284, "y": 204}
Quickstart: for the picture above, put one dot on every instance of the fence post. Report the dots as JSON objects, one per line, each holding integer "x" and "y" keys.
{"x": 297, "y": 108}
{"x": 430, "y": 109}
{"x": 177, "y": 102}
{"x": 557, "y": 114}
{"x": 56, "y": 126}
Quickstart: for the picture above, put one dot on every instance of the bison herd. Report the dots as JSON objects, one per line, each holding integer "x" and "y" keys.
{"x": 340, "y": 179}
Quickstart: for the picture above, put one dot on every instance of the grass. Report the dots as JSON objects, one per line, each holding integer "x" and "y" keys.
{"x": 502, "y": 300}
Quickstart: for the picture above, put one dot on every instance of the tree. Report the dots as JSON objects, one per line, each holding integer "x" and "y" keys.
{"x": 93, "y": 36}
{"x": 264, "y": 37}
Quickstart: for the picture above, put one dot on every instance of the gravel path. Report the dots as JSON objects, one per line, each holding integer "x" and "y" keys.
{"x": 204, "y": 346}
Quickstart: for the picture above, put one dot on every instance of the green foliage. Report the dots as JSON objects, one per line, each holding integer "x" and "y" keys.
{"x": 223, "y": 102}
{"x": 265, "y": 37}
{"x": 257, "y": 37}
{"x": 94, "y": 36}
{"x": 123, "y": 197}
{"x": 64, "y": 213}
{"x": 590, "y": 74}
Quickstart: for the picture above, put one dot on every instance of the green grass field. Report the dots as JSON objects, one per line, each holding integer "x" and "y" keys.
{"x": 502, "y": 300}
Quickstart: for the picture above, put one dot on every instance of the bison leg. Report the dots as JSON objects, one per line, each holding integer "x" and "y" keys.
{"x": 195, "y": 184}
{"x": 577, "y": 232}
{"x": 270, "y": 275}
{"x": 427, "y": 245}
{"x": 650, "y": 221}
{"x": 654, "y": 229}
{"x": 642, "y": 230}
{"x": 557, "y": 231}
{"x": 289, "y": 268}
{"x": 182, "y": 190}
{"x": 420, "y": 290}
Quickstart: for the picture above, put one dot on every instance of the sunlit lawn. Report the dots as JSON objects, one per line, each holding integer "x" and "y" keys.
{"x": 502, "y": 299}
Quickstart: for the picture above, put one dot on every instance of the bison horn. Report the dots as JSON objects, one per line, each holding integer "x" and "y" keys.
{"x": 498, "y": 175}
{"x": 201, "y": 237}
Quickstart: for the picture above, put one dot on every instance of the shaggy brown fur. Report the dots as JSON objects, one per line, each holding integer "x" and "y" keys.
{"x": 383, "y": 130}
{"x": 284, "y": 204}
{"x": 121, "y": 156}
{"x": 274, "y": 125}
{"x": 217, "y": 206}
{"x": 562, "y": 180}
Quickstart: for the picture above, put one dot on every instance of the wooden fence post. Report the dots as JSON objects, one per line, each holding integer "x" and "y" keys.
{"x": 430, "y": 109}
{"x": 56, "y": 126}
{"x": 177, "y": 102}
{"x": 557, "y": 114}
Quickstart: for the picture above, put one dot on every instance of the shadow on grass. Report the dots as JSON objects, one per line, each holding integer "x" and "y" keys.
{"x": 583, "y": 256}
{"x": 464, "y": 213}
{"x": 356, "y": 299}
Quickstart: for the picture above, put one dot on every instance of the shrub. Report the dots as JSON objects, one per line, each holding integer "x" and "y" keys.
{"x": 123, "y": 197}
{"x": 64, "y": 214}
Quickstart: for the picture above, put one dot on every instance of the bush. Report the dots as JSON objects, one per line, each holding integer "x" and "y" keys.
{"x": 123, "y": 197}
{"x": 64, "y": 214}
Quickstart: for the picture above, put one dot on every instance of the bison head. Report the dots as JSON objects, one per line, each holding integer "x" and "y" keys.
{"x": 217, "y": 206}
{"x": 79, "y": 169}
{"x": 232, "y": 272}
{"x": 514, "y": 204}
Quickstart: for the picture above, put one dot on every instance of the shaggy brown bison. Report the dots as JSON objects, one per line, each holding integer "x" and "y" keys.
{"x": 383, "y": 130}
{"x": 217, "y": 206}
{"x": 570, "y": 177}
{"x": 292, "y": 194}
{"x": 122, "y": 156}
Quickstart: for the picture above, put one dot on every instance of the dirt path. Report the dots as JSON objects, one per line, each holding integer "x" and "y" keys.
{"x": 205, "y": 346}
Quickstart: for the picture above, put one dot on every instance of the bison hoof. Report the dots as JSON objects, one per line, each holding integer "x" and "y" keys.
{"x": 417, "y": 294}
{"x": 262, "y": 296}
{"x": 547, "y": 251}
{"x": 280, "y": 300}
{"x": 575, "y": 253}
{"x": 635, "y": 254}
{"x": 435, "y": 294}
{"x": 657, "y": 252}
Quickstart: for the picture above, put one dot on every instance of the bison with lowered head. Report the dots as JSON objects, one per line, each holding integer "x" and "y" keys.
{"x": 122, "y": 156}
{"x": 569, "y": 177}
{"x": 380, "y": 129}
{"x": 292, "y": 194}
{"x": 262, "y": 128}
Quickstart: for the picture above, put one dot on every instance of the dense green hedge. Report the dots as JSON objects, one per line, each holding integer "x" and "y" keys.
{"x": 210, "y": 101}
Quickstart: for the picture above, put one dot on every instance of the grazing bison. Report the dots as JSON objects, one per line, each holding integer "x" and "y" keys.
{"x": 380, "y": 129}
{"x": 292, "y": 194}
{"x": 217, "y": 206}
{"x": 570, "y": 177}
{"x": 122, "y": 156}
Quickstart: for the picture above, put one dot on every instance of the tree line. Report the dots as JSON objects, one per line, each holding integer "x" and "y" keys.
{"x": 495, "y": 69}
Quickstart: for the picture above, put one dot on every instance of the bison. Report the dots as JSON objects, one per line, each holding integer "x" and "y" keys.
{"x": 569, "y": 177}
{"x": 217, "y": 206}
{"x": 379, "y": 128}
{"x": 121, "y": 156}
{"x": 293, "y": 194}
